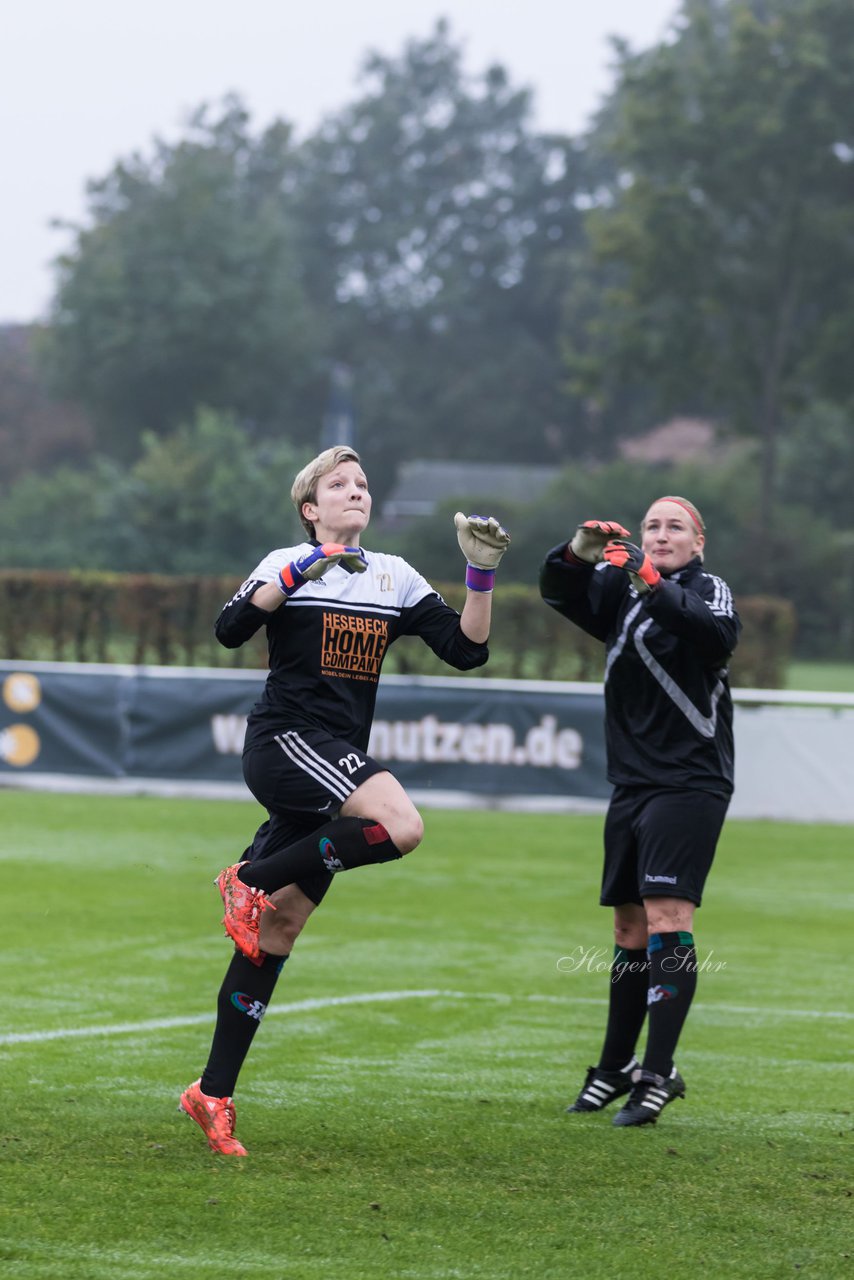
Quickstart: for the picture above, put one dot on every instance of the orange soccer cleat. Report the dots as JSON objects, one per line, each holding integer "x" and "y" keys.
{"x": 243, "y": 908}
{"x": 215, "y": 1117}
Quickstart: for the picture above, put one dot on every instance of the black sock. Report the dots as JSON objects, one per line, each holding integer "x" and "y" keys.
{"x": 672, "y": 983}
{"x": 337, "y": 846}
{"x": 241, "y": 1004}
{"x": 626, "y": 1006}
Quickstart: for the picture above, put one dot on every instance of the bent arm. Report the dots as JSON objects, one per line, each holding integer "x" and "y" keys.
{"x": 476, "y": 616}
{"x": 245, "y": 613}
{"x": 705, "y": 617}
{"x": 587, "y": 596}
{"x": 268, "y": 597}
{"x": 442, "y": 628}
{"x": 272, "y": 582}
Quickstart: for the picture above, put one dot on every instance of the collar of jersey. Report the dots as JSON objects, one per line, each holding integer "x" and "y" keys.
{"x": 675, "y": 574}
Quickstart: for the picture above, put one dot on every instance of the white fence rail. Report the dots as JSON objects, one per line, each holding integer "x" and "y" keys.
{"x": 453, "y": 741}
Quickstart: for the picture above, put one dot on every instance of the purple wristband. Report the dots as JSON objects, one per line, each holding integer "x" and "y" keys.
{"x": 479, "y": 579}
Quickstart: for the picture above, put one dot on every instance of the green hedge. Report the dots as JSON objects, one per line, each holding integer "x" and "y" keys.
{"x": 153, "y": 619}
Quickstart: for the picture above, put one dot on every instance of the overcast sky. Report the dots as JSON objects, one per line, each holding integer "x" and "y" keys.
{"x": 83, "y": 82}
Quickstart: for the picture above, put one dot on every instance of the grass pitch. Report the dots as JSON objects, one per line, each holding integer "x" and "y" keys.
{"x": 824, "y": 677}
{"x": 415, "y": 1128}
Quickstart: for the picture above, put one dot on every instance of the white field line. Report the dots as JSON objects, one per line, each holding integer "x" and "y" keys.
{"x": 374, "y": 997}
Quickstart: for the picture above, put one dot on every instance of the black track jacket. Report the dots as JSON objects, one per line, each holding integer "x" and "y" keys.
{"x": 668, "y": 710}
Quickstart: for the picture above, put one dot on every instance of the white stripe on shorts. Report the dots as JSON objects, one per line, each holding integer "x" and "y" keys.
{"x": 307, "y": 759}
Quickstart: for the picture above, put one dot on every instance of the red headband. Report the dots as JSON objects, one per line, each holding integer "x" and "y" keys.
{"x": 681, "y": 504}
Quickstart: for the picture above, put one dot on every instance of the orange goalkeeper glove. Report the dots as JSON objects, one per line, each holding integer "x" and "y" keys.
{"x": 589, "y": 539}
{"x": 315, "y": 563}
{"x": 637, "y": 564}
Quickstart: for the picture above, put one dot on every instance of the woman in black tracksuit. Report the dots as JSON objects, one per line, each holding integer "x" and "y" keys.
{"x": 669, "y": 628}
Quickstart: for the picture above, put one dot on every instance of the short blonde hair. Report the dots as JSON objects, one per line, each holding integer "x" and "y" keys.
{"x": 304, "y": 487}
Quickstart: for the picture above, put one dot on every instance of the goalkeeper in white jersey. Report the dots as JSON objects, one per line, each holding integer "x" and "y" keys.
{"x": 331, "y": 609}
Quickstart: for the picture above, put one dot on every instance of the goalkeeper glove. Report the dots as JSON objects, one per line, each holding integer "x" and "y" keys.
{"x": 314, "y": 564}
{"x": 637, "y": 564}
{"x": 588, "y": 541}
{"x": 483, "y": 542}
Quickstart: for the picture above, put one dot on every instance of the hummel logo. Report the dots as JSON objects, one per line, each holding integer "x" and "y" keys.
{"x": 664, "y": 991}
{"x": 327, "y": 852}
{"x": 246, "y": 1004}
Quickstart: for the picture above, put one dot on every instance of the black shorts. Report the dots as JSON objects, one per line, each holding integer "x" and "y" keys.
{"x": 302, "y": 777}
{"x": 659, "y": 843}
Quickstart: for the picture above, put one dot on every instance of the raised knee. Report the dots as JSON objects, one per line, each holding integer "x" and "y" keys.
{"x": 409, "y": 833}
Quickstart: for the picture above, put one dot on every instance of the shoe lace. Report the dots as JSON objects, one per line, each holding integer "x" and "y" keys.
{"x": 638, "y": 1092}
{"x": 643, "y": 1087}
{"x": 258, "y": 902}
{"x": 224, "y": 1117}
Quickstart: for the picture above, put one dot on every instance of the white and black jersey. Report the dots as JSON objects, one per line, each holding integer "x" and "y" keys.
{"x": 668, "y": 709}
{"x": 327, "y": 642}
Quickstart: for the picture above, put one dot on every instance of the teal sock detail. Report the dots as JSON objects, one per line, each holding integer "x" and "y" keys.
{"x": 658, "y": 941}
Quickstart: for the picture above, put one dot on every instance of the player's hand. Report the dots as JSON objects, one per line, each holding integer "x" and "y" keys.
{"x": 588, "y": 541}
{"x": 482, "y": 540}
{"x": 315, "y": 563}
{"x": 637, "y": 564}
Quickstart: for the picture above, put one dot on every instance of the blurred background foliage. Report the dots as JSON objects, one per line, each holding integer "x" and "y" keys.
{"x": 491, "y": 293}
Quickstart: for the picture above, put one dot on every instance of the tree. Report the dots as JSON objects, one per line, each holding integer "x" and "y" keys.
{"x": 36, "y": 431}
{"x": 201, "y": 500}
{"x": 817, "y": 479}
{"x": 436, "y": 230}
{"x": 184, "y": 289}
{"x": 730, "y": 230}
{"x": 420, "y": 239}
{"x": 205, "y": 500}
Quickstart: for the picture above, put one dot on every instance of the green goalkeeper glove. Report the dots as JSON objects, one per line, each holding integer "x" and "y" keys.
{"x": 588, "y": 541}
{"x": 483, "y": 542}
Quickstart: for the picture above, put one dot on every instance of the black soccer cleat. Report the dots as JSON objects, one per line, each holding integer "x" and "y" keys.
{"x": 649, "y": 1096}
{"x": 601, "y": 1087}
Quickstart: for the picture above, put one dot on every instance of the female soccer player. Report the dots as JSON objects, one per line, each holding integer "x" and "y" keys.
{"x": 331, "y": 610}
{"x": 669, "y": 629}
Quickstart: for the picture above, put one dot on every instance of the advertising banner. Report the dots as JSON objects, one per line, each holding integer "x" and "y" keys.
{"x": 452, "y": 741}
{"x": 534, "y": 741}
{"x": 60, "y": 721}
{"x": 487, "y": 738}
